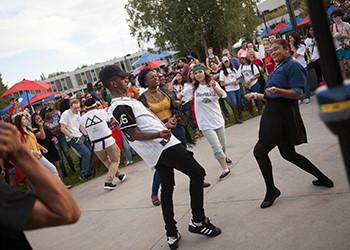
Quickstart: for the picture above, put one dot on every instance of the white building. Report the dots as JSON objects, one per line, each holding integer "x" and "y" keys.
{"x": 270, "y": 5}
{"x": 72, "y": 82}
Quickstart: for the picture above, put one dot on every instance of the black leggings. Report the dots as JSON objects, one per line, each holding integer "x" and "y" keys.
{"x": 288, "y": 153}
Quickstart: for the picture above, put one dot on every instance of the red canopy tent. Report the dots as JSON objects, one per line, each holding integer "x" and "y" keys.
{"x": 152, "y": 65}
{"x": 41, "y": 96}
{"x": 27, "y": 85}
{"x": 305, "y": 21}
{"x": 277, "y": 29}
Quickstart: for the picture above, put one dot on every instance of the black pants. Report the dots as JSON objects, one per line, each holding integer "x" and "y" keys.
{"x": 177, "y": 157}
{"x": 317, "y": 66}
{"x": 288, "y": 153}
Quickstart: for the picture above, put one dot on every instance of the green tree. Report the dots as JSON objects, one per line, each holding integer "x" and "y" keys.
{"x": 191, "y": 26}
{"x": 4, "y": 101}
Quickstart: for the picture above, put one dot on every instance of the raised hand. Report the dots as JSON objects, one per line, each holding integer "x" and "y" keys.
{"x": 172, "y": 122}
{"x": 9, "y": 139}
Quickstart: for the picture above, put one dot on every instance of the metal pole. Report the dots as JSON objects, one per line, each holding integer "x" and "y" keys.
{"x": 291, "y": 14}
{"x": 31, "y": 107}
{"x": 333, "y": 99}
{"x": 263, "y": 16}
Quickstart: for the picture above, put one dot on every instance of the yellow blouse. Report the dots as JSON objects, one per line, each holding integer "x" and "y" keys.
{"x": 161, "y": 109}
{"x": 32, "y": 144}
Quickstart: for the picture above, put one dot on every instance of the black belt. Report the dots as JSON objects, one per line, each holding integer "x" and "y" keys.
{"x": 100, "y": 140}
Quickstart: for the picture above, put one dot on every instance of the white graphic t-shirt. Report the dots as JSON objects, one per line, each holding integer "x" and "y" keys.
{"x": 132, "y": 113}
{"x": 231, "y": 77}
{"x": 207, "y": 108}
{"x": 95, "y": 124}
{"x": 248, "y": 72}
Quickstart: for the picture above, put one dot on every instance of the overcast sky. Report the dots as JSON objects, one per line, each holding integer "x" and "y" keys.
{"x": 45, "y": 36}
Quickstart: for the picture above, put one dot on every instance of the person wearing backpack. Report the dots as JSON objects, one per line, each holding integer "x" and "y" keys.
{"x": 249, "y": 75}
{"x": 298, "y": 53}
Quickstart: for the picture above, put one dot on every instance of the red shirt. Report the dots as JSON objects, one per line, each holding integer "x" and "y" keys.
{"x": 269, "y": 64}
{"x": 258, "y": 62}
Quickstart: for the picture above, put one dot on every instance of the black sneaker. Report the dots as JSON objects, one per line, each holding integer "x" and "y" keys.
{"x": 109, "y": 186}
{"x": 173, "y": 241}
{"x": 224, "y": 174}
{"x": 204, "y": 228}
{"x": 122, "y": 177}
{"x": 228, "y": 161}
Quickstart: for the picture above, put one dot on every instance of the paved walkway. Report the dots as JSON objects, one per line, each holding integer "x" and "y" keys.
{"x": 304, "y": 217}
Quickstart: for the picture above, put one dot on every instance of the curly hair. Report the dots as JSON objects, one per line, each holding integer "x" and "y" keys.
{"x": 142, "y": 77}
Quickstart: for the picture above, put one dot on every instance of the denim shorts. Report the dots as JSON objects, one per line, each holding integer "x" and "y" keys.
{"x": 255, "y": 88}
{"x": 343, "y": 54}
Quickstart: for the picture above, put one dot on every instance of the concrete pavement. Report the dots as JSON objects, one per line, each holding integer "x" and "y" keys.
{"x": 304, "y": 217}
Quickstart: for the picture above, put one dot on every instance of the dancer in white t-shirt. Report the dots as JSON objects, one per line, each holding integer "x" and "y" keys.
{"x": 209, "y": 118}
{"x": 153, "y": 141}
{"x": 94, "y": 121}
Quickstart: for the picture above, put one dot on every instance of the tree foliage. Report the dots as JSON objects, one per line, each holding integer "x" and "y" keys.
{"x": 4, "y": 100}
{"x": 191, "y": 26}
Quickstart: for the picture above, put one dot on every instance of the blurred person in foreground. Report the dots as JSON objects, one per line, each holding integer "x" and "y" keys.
{"x": 51, "y": 205}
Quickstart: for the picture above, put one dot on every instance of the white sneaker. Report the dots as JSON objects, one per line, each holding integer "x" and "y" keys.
{"x": 307, "y": 100}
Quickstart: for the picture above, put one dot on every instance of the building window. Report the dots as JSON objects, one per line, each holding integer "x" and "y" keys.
{"x": 122, "y": 65}
{"x": 79, "y": 80}
{"x": 69, "y": 82}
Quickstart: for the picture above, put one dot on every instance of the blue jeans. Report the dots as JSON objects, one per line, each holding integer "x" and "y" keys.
{"x": 307, "y": 93}
{"x": 63, "y": 150}
{"x": 217, "y": 141}
{"x": 85, "y": 153}
{"x": 223, "y": 108}
{"x": 179, "y": 133}
{"x": 234, "y": 98}
{"x": 186, "y": 108}
{"x": 155, "y": 183}
{"x": 255, "y": 88}
{"x": 126, "y": 147}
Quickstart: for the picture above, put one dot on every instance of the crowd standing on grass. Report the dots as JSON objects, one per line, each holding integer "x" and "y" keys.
{"x": 159, "y": 114}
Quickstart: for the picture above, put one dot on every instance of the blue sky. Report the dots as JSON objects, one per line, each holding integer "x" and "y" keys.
{"x": 45, "y": 36}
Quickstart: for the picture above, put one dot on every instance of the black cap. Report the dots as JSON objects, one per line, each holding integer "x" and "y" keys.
{"x": 90, "y": 103}
{"x": 109, "y": 71}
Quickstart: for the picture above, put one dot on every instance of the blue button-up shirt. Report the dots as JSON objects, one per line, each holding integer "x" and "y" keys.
{"x": 289, "y": 74}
